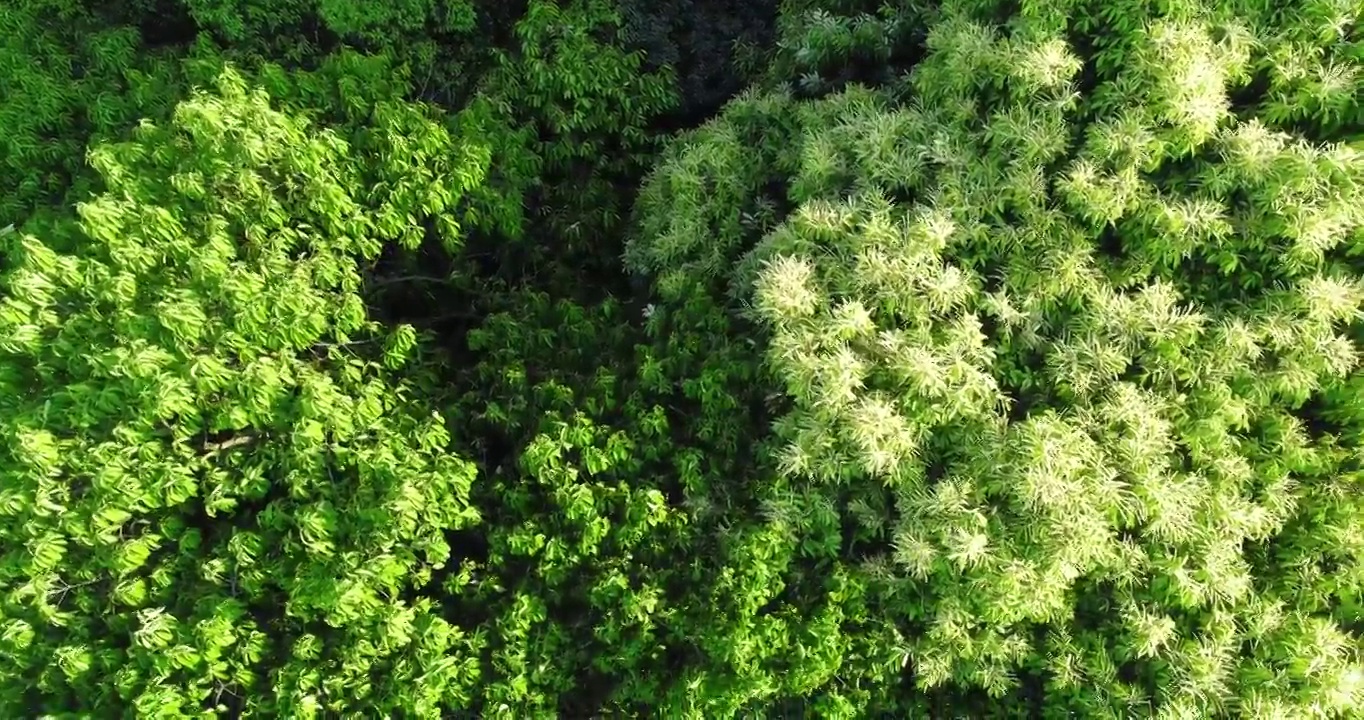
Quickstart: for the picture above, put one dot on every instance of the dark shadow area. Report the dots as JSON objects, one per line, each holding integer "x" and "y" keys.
{"x": 708, "y": 43}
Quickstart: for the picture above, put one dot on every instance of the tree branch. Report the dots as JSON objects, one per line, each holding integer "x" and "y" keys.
{"x": 228, "y": 444}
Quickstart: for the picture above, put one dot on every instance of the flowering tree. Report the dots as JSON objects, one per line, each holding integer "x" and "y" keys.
{"x": 1068, "y": 333}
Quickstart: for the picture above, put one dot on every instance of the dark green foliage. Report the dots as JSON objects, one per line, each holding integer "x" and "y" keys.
{"x": 567, "y": 112}
{"x": 714, "y": 48}
{"x": 66, "y": 80}
{"x": 375, "y": 25}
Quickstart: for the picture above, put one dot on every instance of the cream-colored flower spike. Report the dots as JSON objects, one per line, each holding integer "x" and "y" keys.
{"x": 786, "y": 290}
{"x": 1049, "y": 65}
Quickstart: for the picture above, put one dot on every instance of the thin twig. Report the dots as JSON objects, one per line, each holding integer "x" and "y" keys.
{"x": 345, "y": 344}
{"x": 406, "y": 278}
{"x": 66, "y": 588}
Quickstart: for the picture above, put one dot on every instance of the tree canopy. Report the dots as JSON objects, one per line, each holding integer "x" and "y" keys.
{"x": 813, "y": 358}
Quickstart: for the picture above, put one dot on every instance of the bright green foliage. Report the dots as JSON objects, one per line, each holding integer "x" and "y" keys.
{"x": 220, "y": 482}
{"x": 713, "y": 194}
{"x": 1075, "y": 355}
{"x": 414, "y": 170}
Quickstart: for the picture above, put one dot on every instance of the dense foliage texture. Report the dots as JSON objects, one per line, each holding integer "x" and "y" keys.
{"x": 813, "y": 358}
{"x": 194, "y": 489}
{"x": 1079, "y": 368}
